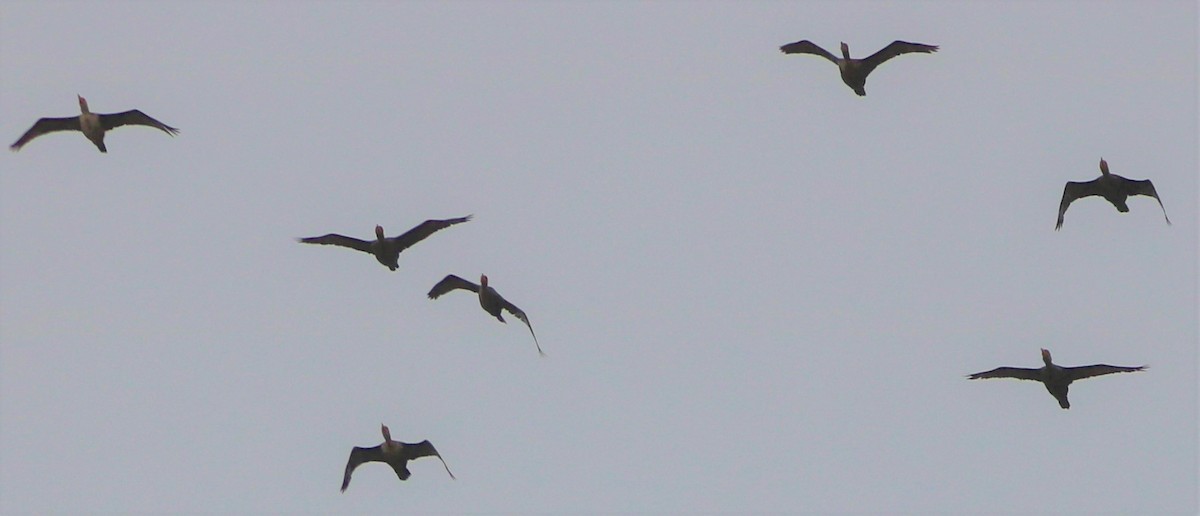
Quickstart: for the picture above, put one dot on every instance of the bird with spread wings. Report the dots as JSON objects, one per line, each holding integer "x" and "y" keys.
{"x": 491, "y": 301}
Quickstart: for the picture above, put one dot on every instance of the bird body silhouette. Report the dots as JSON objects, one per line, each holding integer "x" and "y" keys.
{"x": 92, "y": 125}
{"x": 395, "y": 453}
{"x": 1056, "y": 378}
{"x": 491, "y": 301}
{"x": 386, "y": 250}
{"x": 855, "y": 71}
{"x": 1113, "y": 188}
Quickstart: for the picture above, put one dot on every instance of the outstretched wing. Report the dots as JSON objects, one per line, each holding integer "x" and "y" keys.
{"x": 449, "y": 283}
{"x": 359, "y": 456}
{"x": 896, "y": 48}
{"x": 1019, "y": 373}
{"x": 423, "y": 230}
{"x": 425, "y": 449}
{"x": 1081, "y": 372}
{"x": 1075, "y": 190}
{"x": 520, "y": 314}
{"x": 338, "y": 240}
{"x": 1145, "y": 187}
{"x": 47, "y": 125}
{"x": 134, "y": 117}
{"x": 807, "y": 47}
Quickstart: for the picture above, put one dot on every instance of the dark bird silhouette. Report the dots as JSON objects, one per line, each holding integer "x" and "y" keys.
{"x": 491, "y": 301}
{"x": 92, "y": 125}
{"x": 1112, "y": 187}
{"x": 855, "y": 71}
{"x": 395, "y": 453}
{"x": 386, "y": 250}
{"x": 1056, "y": 378}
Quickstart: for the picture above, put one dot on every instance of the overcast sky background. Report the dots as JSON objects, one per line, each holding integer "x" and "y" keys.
{"x": 757, "y": 291}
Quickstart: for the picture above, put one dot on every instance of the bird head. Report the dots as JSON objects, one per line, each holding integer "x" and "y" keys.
{"x": 387, "y": 434}
{"x": 1046, "y": 356}
{"x": 483, "y": 280}
{"x": 379, "y": 231}
{"x": 845, "y": 50}
{"x": 82, "y": 102}
{"x": 1103, "y": 166}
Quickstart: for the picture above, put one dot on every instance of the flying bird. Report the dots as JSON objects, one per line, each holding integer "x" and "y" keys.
{"x": 855, "y": 71}
{"x": 1056, "y": 378}
{"x": 1112, "y": 187}
{"x": 386, "y": 250}
{"x": 491, "y": 301}
{"x": 92, "y": 125}
{"x": 395, "y": 453}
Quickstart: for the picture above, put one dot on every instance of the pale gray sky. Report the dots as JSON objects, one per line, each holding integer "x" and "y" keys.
{"x": 757, "y": 290}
